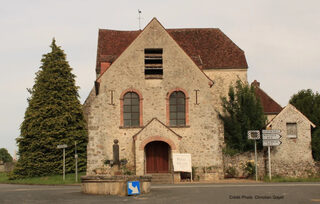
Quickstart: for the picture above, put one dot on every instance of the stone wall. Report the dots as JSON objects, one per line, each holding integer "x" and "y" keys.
{"x": 238, "y": 162}
{"x": 301, "y": 169}
{"x": 7, "y": 167}
{"x": 2, "y": 168}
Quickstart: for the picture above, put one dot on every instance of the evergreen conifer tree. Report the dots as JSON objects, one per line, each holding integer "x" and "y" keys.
{"x": 242, "y": 111}
{"x": 54, "y": 116}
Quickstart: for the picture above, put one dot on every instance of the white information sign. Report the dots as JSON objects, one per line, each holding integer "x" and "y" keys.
{"x": 62, "y": 146}
{"x": 271, "y": 142}
{"x": 271, "y": 136}
{"x": 182, "y": 162}
{"x": 271, "y": 131}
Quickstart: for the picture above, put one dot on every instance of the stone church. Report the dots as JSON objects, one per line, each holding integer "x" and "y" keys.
{"x": 158, "y": 91}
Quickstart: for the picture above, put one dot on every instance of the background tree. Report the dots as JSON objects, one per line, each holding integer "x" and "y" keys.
{"x": 5, "y": 156}
{"x": 53, "y": 116}
{"x": 308, "y": 103}
{"x": 242, "y": 111}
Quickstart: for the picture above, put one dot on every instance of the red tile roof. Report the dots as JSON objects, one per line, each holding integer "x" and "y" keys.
{"x": 269, "y": 105}
{"x": 208, "y": 48}
{"x": 111, "y": 43}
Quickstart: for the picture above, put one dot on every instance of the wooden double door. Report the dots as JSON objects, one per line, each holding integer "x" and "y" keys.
{"x": 157, "y": 157}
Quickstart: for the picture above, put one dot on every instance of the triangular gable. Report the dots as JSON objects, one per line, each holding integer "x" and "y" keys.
{"x": 140, "y": 33}
{"x": 290, "y": 106}
{"x": 149, "y": 124}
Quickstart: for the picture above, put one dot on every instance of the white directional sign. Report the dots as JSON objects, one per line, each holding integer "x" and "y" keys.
{"x": 62, "y": 146}
{"x": 271, "y": 131}
{"x": 253, "y": 134}
{"x": 271, "y": 136}
{"x": 271, "y": 142}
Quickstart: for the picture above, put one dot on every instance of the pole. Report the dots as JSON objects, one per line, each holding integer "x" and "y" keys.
{"x": 64, "y": 164}
{"x": 269, "y": 158}
{"x": 76, "y": 157}
{"x": 255, "y": 158}
{"x": 139, "y": 19}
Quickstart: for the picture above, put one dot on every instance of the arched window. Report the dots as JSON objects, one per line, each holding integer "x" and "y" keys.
{"x": 177, "y": 108}
{"x": 131, "y": 110}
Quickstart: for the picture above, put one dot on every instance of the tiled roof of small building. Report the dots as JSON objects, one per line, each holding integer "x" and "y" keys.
{"x": 269, "y": 105}
{"x": 208, "y": 48}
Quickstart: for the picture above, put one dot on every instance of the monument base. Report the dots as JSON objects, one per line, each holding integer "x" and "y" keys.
{"x": 113, "y": 185}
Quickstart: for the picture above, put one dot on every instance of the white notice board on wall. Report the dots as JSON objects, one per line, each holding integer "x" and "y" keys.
{"x": 182, "y": 162}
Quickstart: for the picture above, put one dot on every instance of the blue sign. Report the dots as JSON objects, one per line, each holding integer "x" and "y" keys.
{"x": 133, "y": 187}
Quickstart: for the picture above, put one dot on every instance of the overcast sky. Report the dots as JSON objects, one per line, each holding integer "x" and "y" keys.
{"x": 281, "y": 40}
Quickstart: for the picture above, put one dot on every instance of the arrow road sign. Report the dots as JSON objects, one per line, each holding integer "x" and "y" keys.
{"x": 271, "y": 142}
{"x": 133, "y": 187}
{"x": 271, "y": 131}
{"x": 271, "y": 136}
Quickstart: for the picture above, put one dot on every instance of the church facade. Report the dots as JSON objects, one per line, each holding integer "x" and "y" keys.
{"x": 158, "y": 92}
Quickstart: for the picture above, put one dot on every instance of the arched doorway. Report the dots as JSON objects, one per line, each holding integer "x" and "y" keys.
{"x": 157, "y": 157}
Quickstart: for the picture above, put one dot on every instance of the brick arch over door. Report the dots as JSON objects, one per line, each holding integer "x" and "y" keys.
{"x": 168, "y": 105}
{"x": 140, "y": 105}
{"x": 157, "y": 138}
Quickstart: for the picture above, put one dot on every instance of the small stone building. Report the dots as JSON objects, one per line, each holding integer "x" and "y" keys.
{"x": 158, "y": 91}
{"x": 293, "y": 157}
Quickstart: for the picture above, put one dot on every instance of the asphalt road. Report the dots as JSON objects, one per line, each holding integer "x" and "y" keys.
{"x": 183, "y": 193}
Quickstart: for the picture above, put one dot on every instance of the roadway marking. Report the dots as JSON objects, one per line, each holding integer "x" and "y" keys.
{"x": 241, "y": 185}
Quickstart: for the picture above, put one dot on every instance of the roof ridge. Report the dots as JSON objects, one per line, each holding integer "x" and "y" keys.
{"x": 193, "y": 28}
{"x": 209, "y": 28}
{"x": 295, "y": 109}
{"x": 106, "y": 29}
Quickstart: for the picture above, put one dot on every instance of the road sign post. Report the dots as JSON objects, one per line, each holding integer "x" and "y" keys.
{"x": 254, "y": 135}
{"x": 255, "y": 159}
{"x": 63, "y": 146}
{"x": 271, "y": 138}
{"x": 76, "y": 158}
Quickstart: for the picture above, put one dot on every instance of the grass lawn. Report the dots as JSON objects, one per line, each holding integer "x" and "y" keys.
{"x": 286, "y": 179}
{"x": 47, "y": 180}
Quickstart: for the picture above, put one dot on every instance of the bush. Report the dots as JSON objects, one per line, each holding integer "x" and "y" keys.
{"x": 231, "y": 172}
{"x": 250, "y": 168}
{"x": 5, "y": 156}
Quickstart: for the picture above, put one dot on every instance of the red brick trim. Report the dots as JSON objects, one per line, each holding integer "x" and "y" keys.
{"x": 157, "y": 138}
{"x": 168, "y": 105}
{"x": 140, "y": 105}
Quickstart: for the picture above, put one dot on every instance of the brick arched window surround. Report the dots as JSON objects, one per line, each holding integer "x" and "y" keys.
{"x": 157, "y": 138}
{"x": 186, "y": 106}
{"x": 122, "y": 106}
